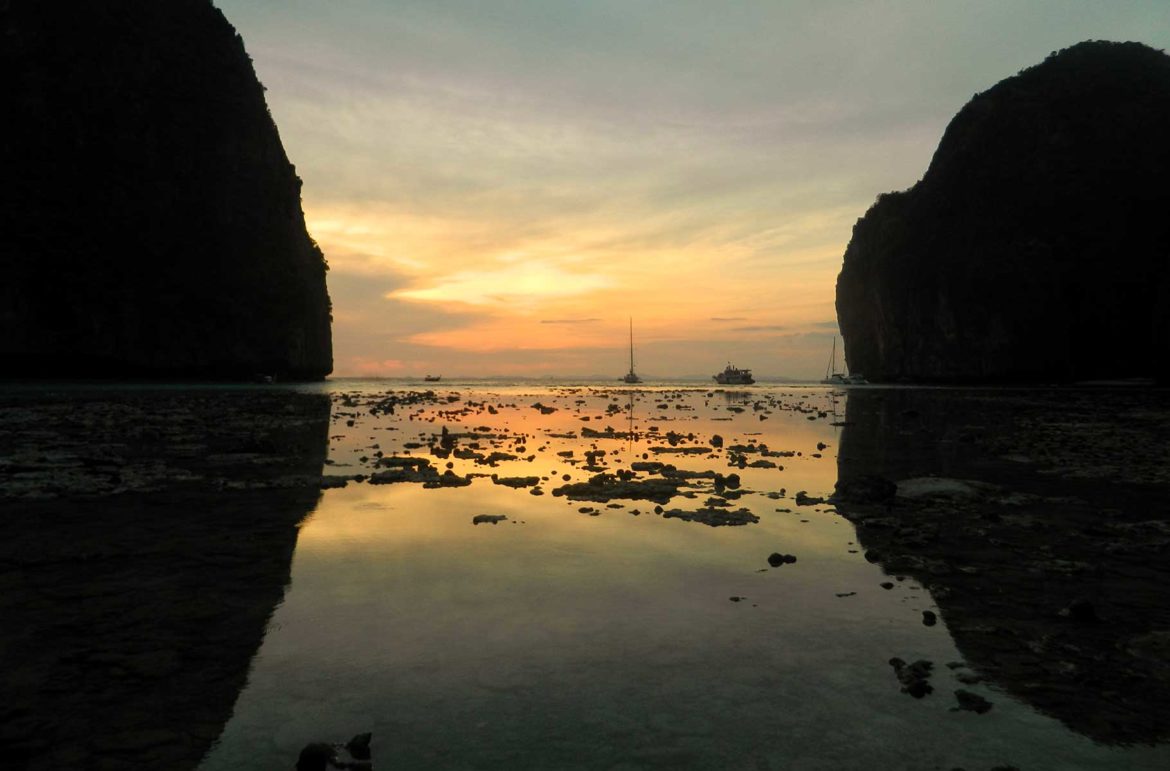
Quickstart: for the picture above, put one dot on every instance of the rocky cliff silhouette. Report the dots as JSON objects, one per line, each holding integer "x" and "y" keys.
{"x": 1036, "y": 247}
{"x": 151, "y": 220}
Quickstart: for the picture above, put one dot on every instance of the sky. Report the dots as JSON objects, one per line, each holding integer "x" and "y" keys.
{"x": 500, "y": 186}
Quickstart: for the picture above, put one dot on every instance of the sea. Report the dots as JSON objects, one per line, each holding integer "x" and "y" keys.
{"x": 489, "y": 574}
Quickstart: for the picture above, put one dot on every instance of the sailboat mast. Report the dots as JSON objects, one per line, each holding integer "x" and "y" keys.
{"x": 832, "y": 359}
{"x": 631, "y": 343}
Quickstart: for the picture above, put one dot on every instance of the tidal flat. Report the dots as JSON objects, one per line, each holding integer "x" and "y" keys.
{"x": 590, "y": 576}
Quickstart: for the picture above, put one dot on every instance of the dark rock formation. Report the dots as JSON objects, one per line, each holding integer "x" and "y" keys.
{"x": 150, "y": 218}
{"x": 1037, "y": 246}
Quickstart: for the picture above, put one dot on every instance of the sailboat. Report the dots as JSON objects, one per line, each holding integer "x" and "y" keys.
{"x": 631, "y": 377}
{"x": 832, "y": 377}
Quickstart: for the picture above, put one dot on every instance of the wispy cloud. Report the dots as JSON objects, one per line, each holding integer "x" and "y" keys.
{"x": 496, "y": 179}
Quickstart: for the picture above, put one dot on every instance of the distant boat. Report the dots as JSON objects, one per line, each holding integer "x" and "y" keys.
{"x": 832, "y": 377}
{"x": 433, "y": 378}
{"x": 631, "y": 377}
{"x": 734, "y": 376}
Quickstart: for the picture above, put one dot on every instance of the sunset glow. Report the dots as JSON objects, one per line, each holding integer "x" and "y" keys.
{"x": 499, "y": 187}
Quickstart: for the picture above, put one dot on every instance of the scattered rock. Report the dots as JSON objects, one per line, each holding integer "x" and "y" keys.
{"x": 713, "y": 516}
{"x": 864, "y": 489}
{"x": 515, "y": 482}
{"x": 776, "y": 559}
{"x": 481, "y": 519}
{"x": 913, "y": 677}
{"x": 972, "y": 702}
{"x": 1081, "y": 611}
{"x": 804, "y": 499}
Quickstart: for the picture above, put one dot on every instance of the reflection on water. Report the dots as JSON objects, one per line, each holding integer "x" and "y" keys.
{"x": 1053, "y": 582}
{"x": 129, "y": 620}
{"x": 575, "y": 633}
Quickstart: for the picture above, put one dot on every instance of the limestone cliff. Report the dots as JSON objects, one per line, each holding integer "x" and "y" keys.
{"x": 151, "y": 221}
{"x": 1037, "y": 245}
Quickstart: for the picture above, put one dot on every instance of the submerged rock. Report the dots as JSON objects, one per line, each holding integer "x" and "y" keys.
{"x": 604, "y": 487}
{"x": 914, "y": 678}
{"x": 972, "y": 702}
{"x": 488, "y": 519}
{"x": 715, "y": 517}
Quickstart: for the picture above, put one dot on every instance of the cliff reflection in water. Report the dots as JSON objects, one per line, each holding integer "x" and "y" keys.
{"x": 1049, "y": 564}
{"x": 136, "y": 583}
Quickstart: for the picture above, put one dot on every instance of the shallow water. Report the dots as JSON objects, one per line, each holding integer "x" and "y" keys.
{"x": 608, "y": 639}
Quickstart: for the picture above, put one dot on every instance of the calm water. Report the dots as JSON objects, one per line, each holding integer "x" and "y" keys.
{"x": 562, "y": 639}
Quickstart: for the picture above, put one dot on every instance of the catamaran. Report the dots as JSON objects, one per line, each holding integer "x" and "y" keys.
{"x": 631, "y": 377}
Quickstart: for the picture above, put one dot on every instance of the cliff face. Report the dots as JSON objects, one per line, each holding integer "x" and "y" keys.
{"x": 151, "y": 220}
{"x": 1037, "y": 245}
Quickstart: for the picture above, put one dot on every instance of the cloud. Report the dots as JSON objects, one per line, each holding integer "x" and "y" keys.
{"x": 514, "y": 284}
{"x": 472, "y": 168}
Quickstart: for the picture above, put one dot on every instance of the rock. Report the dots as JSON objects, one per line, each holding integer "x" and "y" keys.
{"x": 515, "y": 481}
{"x": 1037, "y": 185}
{"x": 715, "y": 517}
{"x": 939, "y": 487}
{"x": 929, "y": 618}
{"x": 913, "y": 677}
{"x": 1081, "y": 611}
{"x": 972, "y": 702}
{"x": 864, "y": 489}
{"x": 604, "y": 487}
{"x": 776, "y": 559}
{"x": 316, "y": 757}
{"x": 804, "y": 499}
{"x": 152, "y": 221}
{"x": 359, "y": 746}
{"x": 482, "y": 519}
{"x": 716, "y": 440}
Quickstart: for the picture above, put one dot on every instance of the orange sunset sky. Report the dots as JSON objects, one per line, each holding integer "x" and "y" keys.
{"x": 498, "y": 186}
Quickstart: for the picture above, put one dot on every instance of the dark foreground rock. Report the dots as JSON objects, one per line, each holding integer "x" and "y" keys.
{"x": 1035, "y": 246}
{"x": 151, "y": 220}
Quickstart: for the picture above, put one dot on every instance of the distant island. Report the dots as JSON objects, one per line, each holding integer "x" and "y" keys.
{"x": 151, "y": 220}
{"x": 1036, "y": 248}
